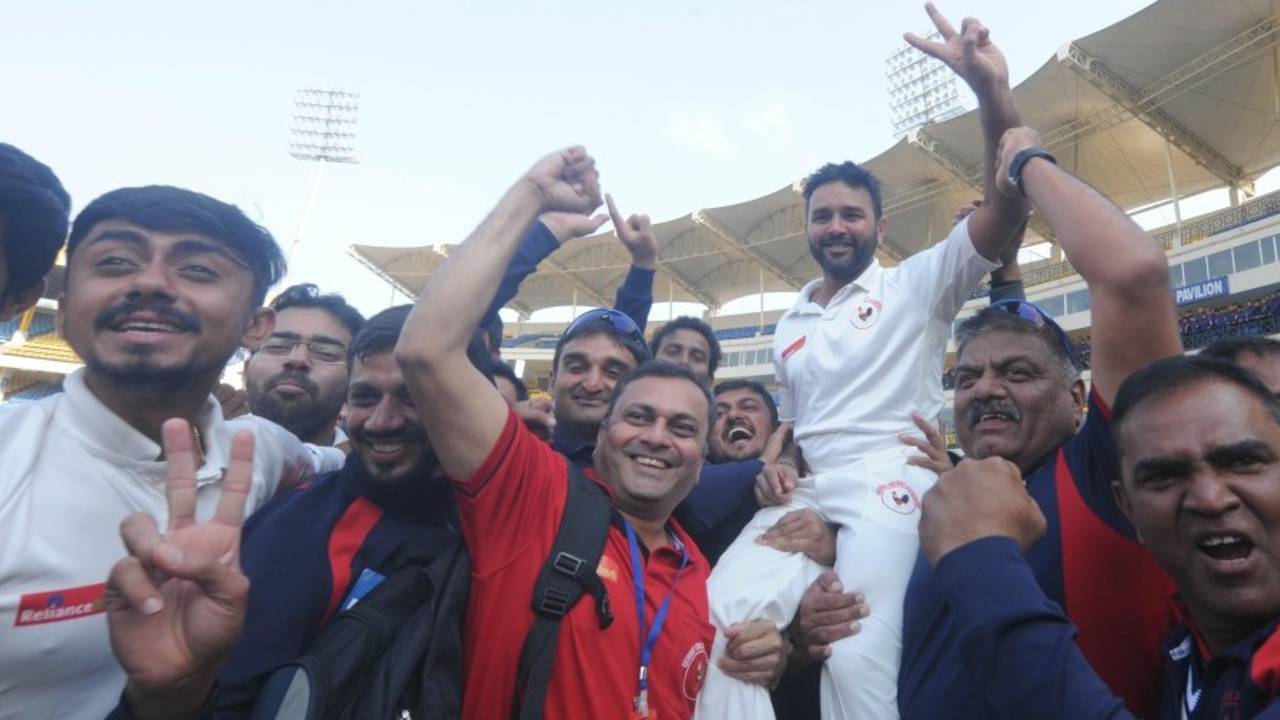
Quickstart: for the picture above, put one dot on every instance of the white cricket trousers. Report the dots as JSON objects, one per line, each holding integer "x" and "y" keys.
{"x": 876, "y": 503}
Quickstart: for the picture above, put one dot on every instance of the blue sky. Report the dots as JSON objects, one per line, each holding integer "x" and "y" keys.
{"x": 683, "y": 105}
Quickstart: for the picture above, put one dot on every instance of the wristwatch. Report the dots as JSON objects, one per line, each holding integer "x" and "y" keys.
{"x": 1020, "y": 161}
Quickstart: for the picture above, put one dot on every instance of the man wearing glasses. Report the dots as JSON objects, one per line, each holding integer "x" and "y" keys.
{"x": 297, "y": 378}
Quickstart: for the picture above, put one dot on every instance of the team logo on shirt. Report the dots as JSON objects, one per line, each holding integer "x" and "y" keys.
{"x": 59, "y": 605}
{"x": 866, "y": 314}
{"x": 899, "y": 497}
{"x": 607, "y": 569}
{"x": 695, "y": 670}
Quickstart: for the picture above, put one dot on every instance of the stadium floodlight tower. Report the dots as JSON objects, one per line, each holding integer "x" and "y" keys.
{"x": 921, "y": 89}
{"x": 323, "y": 128}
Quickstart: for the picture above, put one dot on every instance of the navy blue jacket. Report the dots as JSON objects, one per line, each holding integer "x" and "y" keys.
{"x": 1088, "y": 562}
{"x": 1020, "y": 649}
{"x": 305, "y": 549}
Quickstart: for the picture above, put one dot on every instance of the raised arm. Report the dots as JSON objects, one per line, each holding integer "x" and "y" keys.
{"x": 635, "y": 295}
{"x": 971, "y": 55}
{"x": 462, "y": 412}
{"x": 1134, "y": 319}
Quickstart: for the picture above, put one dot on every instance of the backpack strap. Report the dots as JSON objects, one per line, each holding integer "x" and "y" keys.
{"x": 569, "y": 571}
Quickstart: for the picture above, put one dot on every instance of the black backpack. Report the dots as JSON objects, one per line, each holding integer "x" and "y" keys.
{"x": 398, "y": 652}
{"x": 395, "y": 654}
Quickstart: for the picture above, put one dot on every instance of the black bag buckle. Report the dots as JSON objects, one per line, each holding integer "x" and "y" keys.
{"x": 554, "y": 603}
{"x": 569, "y": 564}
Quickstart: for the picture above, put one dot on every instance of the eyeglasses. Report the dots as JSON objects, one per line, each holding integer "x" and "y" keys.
{"x": 619, "y": 320}
{"x": 318, "y": 350}
{"x": 1038, "y": 319}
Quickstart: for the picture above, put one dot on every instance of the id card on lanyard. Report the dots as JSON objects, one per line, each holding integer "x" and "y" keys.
{"x": 649, "y": 633}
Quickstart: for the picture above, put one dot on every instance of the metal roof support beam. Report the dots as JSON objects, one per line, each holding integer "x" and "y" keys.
{"x": 970, "y": 174}
{"x": 593, "y": 294}
{"x": 1145, "y": 107}
{"x": 684, "y": 283}
{"x": 737, "y": 246}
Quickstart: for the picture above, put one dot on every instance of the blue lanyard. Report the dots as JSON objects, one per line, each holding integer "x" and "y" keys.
{"x": 650, "y": 637}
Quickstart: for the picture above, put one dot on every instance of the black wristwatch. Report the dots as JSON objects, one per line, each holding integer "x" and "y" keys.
{"x": 1020, "y": 161}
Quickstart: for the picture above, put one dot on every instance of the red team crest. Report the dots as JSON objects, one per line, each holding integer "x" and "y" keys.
{"x": 866, "y": 314}
{"x": 899, "y": 497}
{"x": 695, "y": 670}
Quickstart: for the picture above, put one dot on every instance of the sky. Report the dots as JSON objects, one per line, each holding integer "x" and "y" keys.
{"x": 684, "y": 105}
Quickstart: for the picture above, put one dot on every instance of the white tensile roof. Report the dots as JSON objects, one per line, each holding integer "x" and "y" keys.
{"x": 1187, "y": 84}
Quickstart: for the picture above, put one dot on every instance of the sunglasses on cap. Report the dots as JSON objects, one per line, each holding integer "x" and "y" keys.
{"x": 619, "y": 320}
{"x": 1038, "y": 319}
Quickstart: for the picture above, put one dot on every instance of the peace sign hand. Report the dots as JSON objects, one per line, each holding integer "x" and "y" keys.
{"x": 176, "y": 605}
{"x": 969, "y": 53}
{"x": 637, "y": 235}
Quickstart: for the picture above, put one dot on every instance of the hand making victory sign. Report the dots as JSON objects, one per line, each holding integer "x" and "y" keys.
{"x": 969, "y": 53}
{"x": 176, "y": 604}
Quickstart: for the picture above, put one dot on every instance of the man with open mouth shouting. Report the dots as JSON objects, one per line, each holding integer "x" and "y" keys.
{"x": 1199, "y": 450}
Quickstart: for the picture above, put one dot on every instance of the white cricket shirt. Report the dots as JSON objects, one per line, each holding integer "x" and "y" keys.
{"x": 851, "y": 374}
{"x": 70, "y": 471}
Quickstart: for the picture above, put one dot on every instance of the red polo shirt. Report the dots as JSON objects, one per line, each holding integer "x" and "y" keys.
{"x": 510, "y": 512}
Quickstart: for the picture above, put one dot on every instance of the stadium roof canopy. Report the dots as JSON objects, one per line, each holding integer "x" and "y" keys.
{"x": 1183, "y": 90}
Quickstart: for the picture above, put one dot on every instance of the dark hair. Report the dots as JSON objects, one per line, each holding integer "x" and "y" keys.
{"x": 171, "y": 209}
{"x": 849, "y": 173}
{"x": 34, "y": 212}
{"x": 991, "y": 319}
{"x": 632, "y": 343}
{"x": 686, "y": 322}
{"x": 1174, "y": 373}
{"x": 753, "y": 386}
{"x": 662, "y": 369}
{"x": 1230, "y": 349}
{"x": 380, "y": 333}
{"x": 499, "y": 369}
{"x": 307, "y": 295}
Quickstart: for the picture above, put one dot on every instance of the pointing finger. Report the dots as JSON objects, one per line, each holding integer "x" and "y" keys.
{"x": 614, "y": 215}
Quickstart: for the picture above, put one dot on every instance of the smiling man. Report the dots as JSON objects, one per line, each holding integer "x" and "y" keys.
{"x": 690, "y": 342}
{"x": 862, "y": 347}
{"x": 746, "y": 416}
{"x": 297, "y": 378}
{"x": 1199, "y": 444}
{"x": 1019, "y": 397}
{"x": 511, "y": 490}
{"x": 163, "y": 285}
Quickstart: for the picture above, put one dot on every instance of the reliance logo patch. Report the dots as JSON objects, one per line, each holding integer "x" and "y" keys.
{"x": 59, "y": 605}
{"x": 793, "y": 348}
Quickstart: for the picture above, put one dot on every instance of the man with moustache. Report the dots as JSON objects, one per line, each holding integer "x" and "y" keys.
{"x": 1199, "y": 450}
{"x": 861, "y": 349}
{"x": 163, "y": 285}
{"x": 746, "y": 417}
{"x": 311, "y": 551}
{"x": 33, "y": 225}
{"x": 297, "y": 378}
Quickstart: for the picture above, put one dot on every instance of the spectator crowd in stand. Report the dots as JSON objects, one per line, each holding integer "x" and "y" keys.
{"x": 1199, "y": 327}
{"x": 387, "y": 524}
